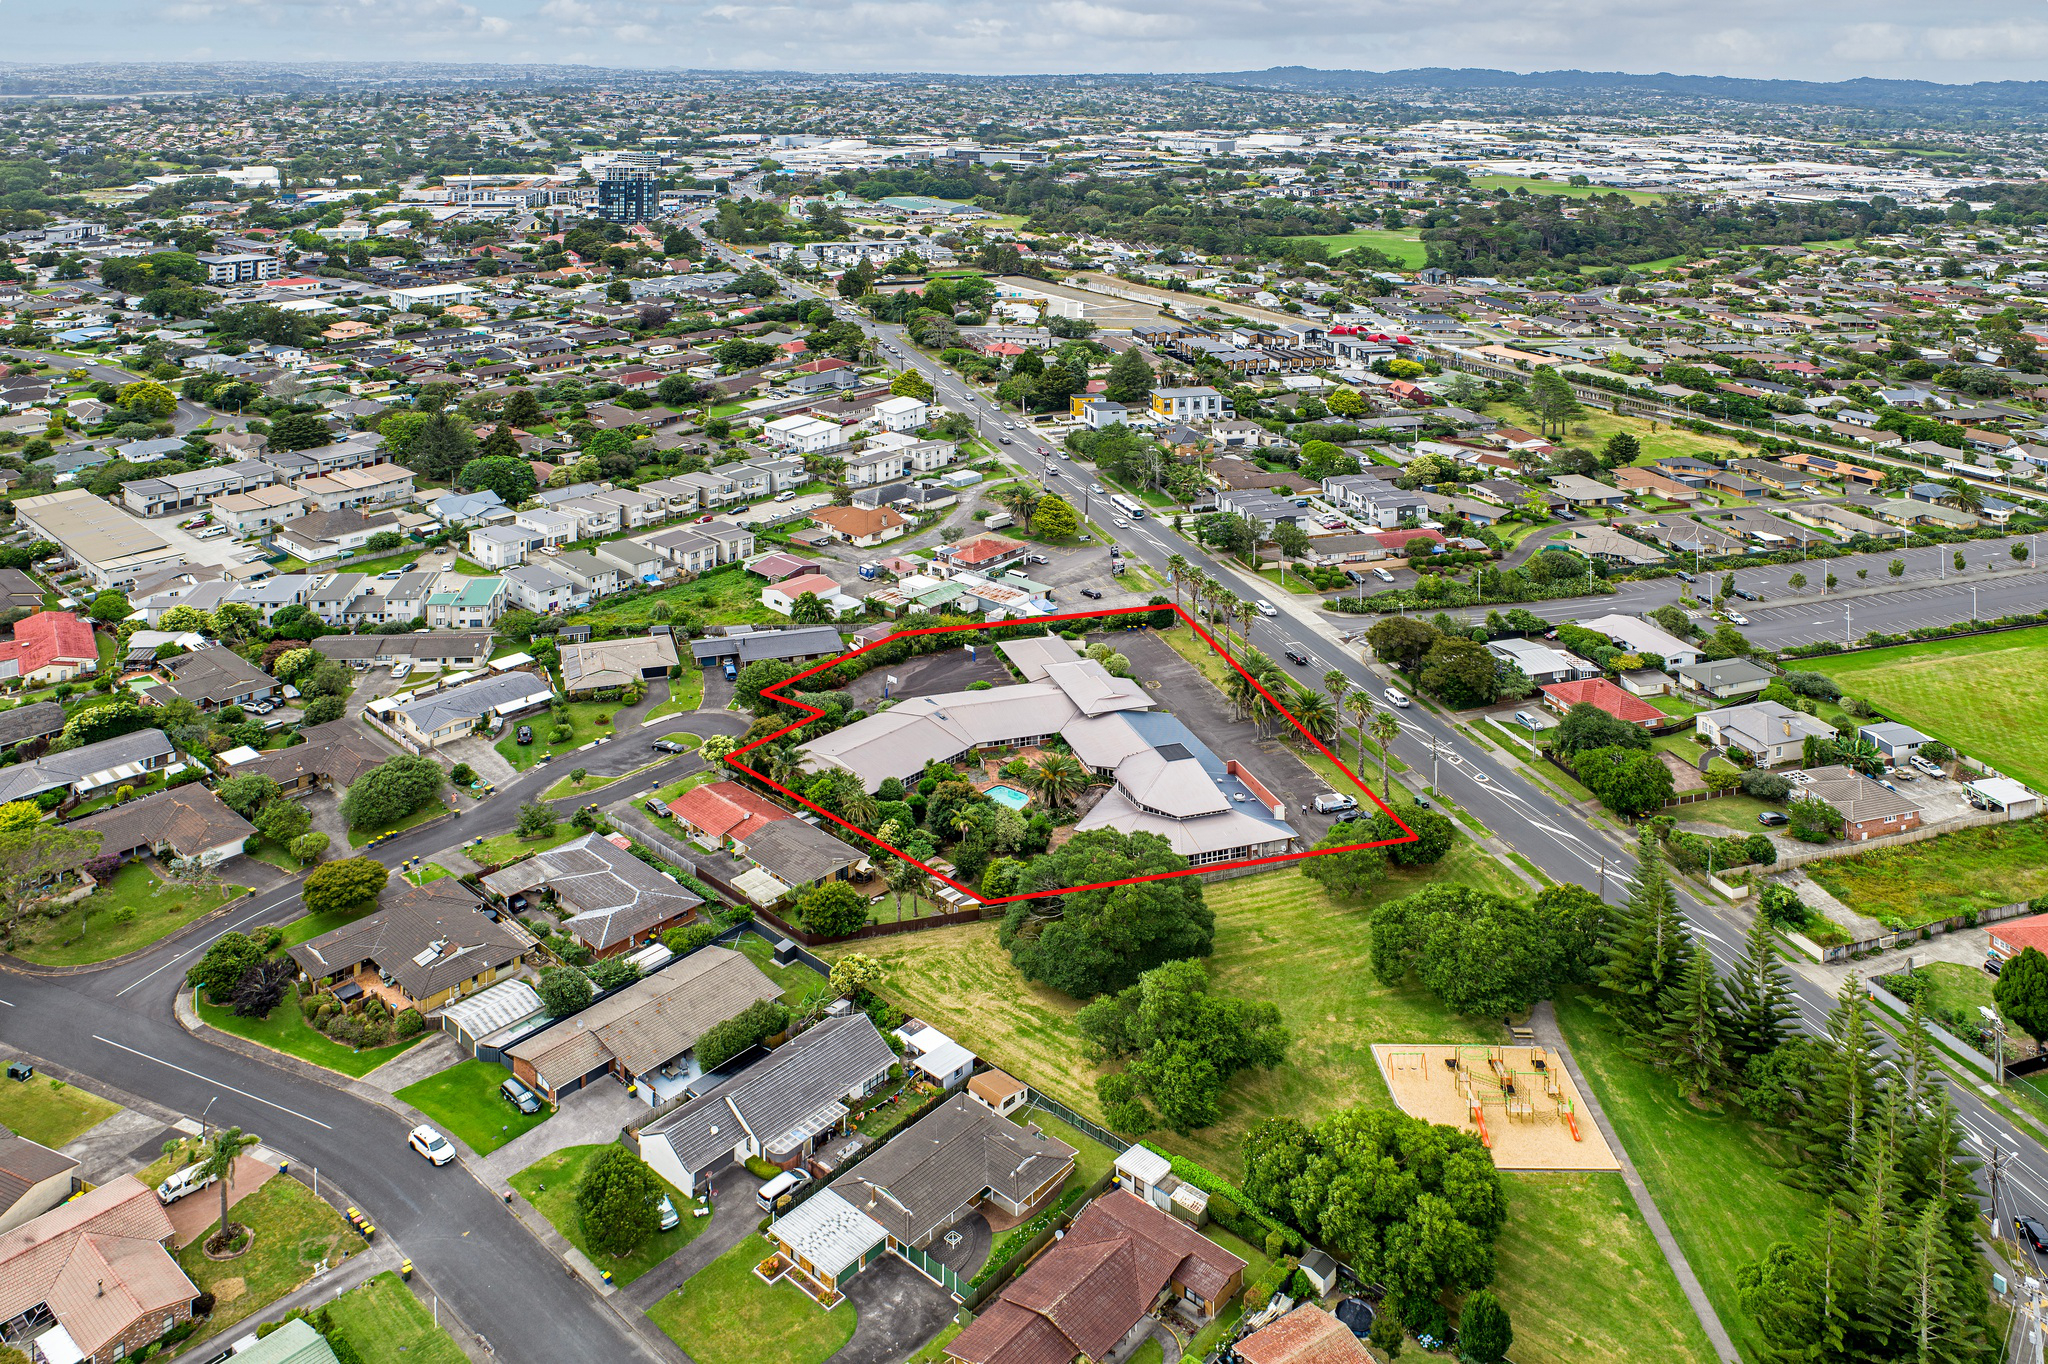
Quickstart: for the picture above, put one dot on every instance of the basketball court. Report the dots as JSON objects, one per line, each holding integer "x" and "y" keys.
{"x": 1519, "y": 1100}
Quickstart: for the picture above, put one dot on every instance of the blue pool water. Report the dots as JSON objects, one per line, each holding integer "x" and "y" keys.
{"x": 1009, "y": 796}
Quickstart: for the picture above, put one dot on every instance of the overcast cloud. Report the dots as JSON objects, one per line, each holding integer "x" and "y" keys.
{"x": 1825, "y": 40}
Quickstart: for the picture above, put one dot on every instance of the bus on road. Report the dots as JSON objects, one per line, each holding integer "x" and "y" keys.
{"x": 1129, "y": 506}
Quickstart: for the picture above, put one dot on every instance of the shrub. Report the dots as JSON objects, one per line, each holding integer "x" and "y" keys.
{"x": 408, "y": 1024}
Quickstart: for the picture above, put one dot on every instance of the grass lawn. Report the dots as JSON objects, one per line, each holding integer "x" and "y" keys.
{"x": 550, "y": 1185}
{"x": 726, "y": 1315}
{"x": 388, "y": 1325}
{"x": 721, "y": 598}
{"x": 358, "y": 837}
{"x": 465, "y": 1100}
{"x": 1092, "y": 1160}
{"x": 50, "y": 1111}
{"x": 281, "y": 858}
{"x": 1404, "y": 246}
{"x": 685, "y": 694}
{"x": 1981, "y": 868}
{"x": 307, "y": 927}
{"x": 1713, "y": 1174}
{"x": 1278, "y": 937}
{"x": 1577, "y": 1257}
{"x": 583, "y": 727}
{"x": 1986, "y": 696}
{"x": 429, "y": 872}
{"x": 1540, "y": 187}
{"x": 690, "y": 783}
{"x": 505, "y": 847}
{"x": 286, "y": 1031}
{"x": 934, "y": 1350}
{"x": 295, "y": 1234}
{"x": 1736, "y": 813}
{"x": 1950, "y": 985}
{"x": 132, "y": 912}
{"x": 796, "y": 979}
{"x": 1592, "y": 427}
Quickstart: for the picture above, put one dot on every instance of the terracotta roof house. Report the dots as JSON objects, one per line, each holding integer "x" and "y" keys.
{"x": 1307, "y": 1335}
{"x": 1598, "y": 691}
{"x": 862, "y": 526}
{"x": 983, "y": 552}
{"x": 335, "y": 753}
{"x": 1086, "y": 1292}
{"x": 186, "y": 821}
{"x": 50, "y": 646}
{"x": 2014, "y": 936}
{"x": 91, "y": 1280}
{"x": 433, "y": 941}
{"x": 725, "y": 813}
{"x": 33, "y": 1179}
{"x": 642, "y": 1034}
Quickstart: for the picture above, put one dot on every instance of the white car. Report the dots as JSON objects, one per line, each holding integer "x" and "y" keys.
{"x": 1396, "y": 698}
{"x": 1927, "y": 765}
{"x": 1120, "y": 523}
{"x": 430, "y": 1144}
{"x": 1265, "y": 608}
{"x": 400, "y": 671}
{"x": 1736, "y": 618}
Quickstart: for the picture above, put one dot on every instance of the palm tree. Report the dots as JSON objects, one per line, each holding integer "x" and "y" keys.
{"x": 1247, "y": 613}
{"x": 1385, "y": 729}
{"x": 220, "y": 1163}
{"x": 1178, "y": 570}
{"x": 1314, "y": 712}
{"x": 1360, "y": 704}
{"x": 905, "y": 878}
{"x": 1337, "y": 685}
{"x": 1964, "y": 497}
{"x": 1058, "y": 778}
{"x": 857, "y": 807}
{"x": 1226, "y": 603}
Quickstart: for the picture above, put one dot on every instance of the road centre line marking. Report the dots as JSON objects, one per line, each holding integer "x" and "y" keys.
{"x": 210, "y": 1080}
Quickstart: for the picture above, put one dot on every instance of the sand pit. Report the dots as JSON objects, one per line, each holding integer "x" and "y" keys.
{"x": 1527, "y": 1105}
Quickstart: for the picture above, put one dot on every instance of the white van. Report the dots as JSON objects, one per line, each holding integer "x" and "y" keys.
{"x": 1383, "y": 575}
{"x": 1396, "y": 698}
{"x": 788, "y": 1182}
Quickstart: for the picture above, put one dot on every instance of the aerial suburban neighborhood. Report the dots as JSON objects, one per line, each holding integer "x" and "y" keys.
{"x": 656, "y": 709}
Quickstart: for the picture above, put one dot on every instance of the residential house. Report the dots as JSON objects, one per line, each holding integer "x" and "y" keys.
{"x": 550, "y": 529}
{"x": 1307, "y": 1335}
{"x": 781, "y": 597}
{"x": 439, "y": 717}
{"x": 187, "y": 822}
{"x": 1769, "y": 732}
{"x": 1610, "y": 546}
{"x": 1580, "y": 491}
{"x": 503, "y": 546}
{"x": 1542, "y": 664}
{"x": 91, "y": 771}
{"x": 642, "y": 1035}
{"x": 1896, "y": 741}
{"x": 901, "y": 413}
{"x": 1199, "y": 403}
{"x": 1003, "y": 1093}
{"x": 332, "y": 755}
{"x": 375, "y": 485}
{"x": 744, "y": 645}
{"x": 1868, "y": 809}
{"x": 862, "y": 526}
{"x": 781, "y": 1108}
{"x": 33, "y": 1179}
{"x": 1653, "y": 483}
{"x": 1599, "y": 692}
{"x": 1726, "y": 678}
{"x": 259, "y": 509}
{"x": 470, "y": 604}
{"x": 92, "y": 1281}
{"x": 49, "y": 647}
{"x": 538, "y": 588}
{"x": 606, "y": 663}
{"x": 422, "y": 649}
{"x": 1084, "y": 1293}
{"x": 724, "y": 816}
{"x": 426, "y": 945}
{"x": 318, "y": 536}
{"x": 1638, "y": 636}
{"x": 210, "y": 678}
{"x": 805, "y": 435}
{"x": 41, "y": 720}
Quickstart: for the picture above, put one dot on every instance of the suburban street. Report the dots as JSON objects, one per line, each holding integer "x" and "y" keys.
{"x": 1564, "y": 843}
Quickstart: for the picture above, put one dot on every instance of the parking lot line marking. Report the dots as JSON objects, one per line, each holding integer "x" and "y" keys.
{"x": 210, "y": 1080}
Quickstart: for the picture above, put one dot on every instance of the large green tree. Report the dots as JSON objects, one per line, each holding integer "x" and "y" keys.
{"x": 344, "y": 884}
{"x": 1088, "y": 942}
{"x": 2022, "y": 993}
{"x": 511, "y": 478}
{"x": 1586, "y": 726}
{"x": 392, "y": 790}
{"x": 1646, "y": 948}
{"x": 1482, "y": 953}
{"x": 1352, "y": 872}
{"x": 1182, "y": 1043}
{"x": 615, "y": 1199}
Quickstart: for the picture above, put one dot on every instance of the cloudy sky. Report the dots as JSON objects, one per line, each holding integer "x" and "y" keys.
{"x": 1819, "y": 40}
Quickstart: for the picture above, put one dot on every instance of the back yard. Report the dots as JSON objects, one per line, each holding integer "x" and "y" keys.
{"x": 1971, "y": 869}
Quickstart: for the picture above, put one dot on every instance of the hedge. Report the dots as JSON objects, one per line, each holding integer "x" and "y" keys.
{"x": 1236, "y": 1213}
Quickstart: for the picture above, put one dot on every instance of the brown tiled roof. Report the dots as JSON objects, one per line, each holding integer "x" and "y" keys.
{"x": 1307, "y": 1335}
{"x": 1085, "y": 1293}
{"x": 404, "y": 928}
{"x": 187, "y": 819}
{"x": 651, "y": 1021}
{"x": 917, "y": 1183}
{"x": 98, "y": 1263}
{"x": 338, "y": 750}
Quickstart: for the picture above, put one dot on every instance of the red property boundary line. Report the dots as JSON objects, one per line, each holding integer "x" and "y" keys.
{"x": 811, "y": 712}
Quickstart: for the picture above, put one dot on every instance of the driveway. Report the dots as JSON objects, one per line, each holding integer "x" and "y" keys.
{"x": 900, "y": 1309}
{"x": 590, "y": 1116}
{"x": 734, "y": 1216}
{"x": 951, "y": 669}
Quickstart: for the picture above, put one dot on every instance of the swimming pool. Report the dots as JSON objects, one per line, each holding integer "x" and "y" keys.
{"x": 1008, "y": 796}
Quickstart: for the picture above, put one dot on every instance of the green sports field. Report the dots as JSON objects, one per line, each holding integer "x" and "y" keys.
{"x": 1985, "y": 696}
{"x": 1405, "y": 247}
{"x": 1535, "y": 186}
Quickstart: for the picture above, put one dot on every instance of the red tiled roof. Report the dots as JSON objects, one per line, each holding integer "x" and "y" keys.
{"x": 1598, "y": 691}
{"x": 726, "y": 809}
{"x": 2016, "y": 935}
{"x": 50, "y": 637}
{"x": 97, "y": 1262}
{"x": 1398, "y": 539}
{"x": 983, "y": 548}
{"x": 1307, "y": 1335}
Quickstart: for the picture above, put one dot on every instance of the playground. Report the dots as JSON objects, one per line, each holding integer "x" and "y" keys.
{"x": 1520, "y": 1101}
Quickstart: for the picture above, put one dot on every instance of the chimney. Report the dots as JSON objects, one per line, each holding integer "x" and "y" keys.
{"x": 100, "y": 1288}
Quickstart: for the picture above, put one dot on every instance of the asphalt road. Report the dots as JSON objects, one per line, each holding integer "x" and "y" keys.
{"x": 188, "y": 416}
{"x": 1564, "y": 843}
{"x": 119, "y": 1025}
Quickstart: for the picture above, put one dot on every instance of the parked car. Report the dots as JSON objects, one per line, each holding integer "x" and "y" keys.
{"x": 732, "y": 670}
{"x": 1737, "y": 618}
{"x": 1992, "y": 965}
{"x": 785, "y": 495}
{"x": 670, "y": 746}
{"x": 519, "y": 1096}
{"x": 189, "y": 1180}
{"x": 2031, "y": 1228}
{"x": 1747, "y": 595}
{"x": 400, "y": 671}
{"x": 1774, "y": 819}
{"x": 526, "y": 734}
{"x": 1527, "y": 721}
{"x": 1383, "y": 575}
{"x": 665, "y": 1211}
{"x": 1352, "y": 816}
{"x": 788, "y": 1182}
{"x": 430, "y": 1144}
{"x": 657, "y": 809}
{"x": 1927, "y": 765}
{"x": 1395, "y": 697}
{"x": 1331, "y": 801}
{"x": 1091, "y": 594}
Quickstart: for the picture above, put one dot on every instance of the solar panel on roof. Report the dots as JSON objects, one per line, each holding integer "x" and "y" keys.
{"x": 1174, "y": 753}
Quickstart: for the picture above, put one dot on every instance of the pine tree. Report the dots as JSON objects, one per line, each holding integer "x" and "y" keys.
{"x": 1831, "y": 1129}
{"x": 1759, "y": 998}
{"x": 1689, "y": 1041}
{"x": 1647, "y": 947}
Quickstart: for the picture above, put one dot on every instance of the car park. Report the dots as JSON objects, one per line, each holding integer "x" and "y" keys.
{"x": 1395, "y": 697}
{"x": 431, "y": 1144}
{"x": 1774, "y": 819}
{"x": 519, "y": 1096}
{"x": 1747, "y": 595}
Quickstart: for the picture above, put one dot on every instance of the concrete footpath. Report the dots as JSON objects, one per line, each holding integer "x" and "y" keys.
{"x": 1543, "y": 1019}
